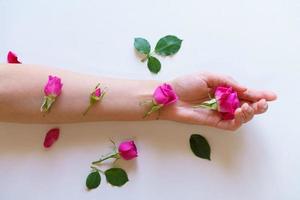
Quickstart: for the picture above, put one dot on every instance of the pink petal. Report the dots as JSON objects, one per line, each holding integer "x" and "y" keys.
{"x": 51, "y": 137}
{"x": 12, "y": 58}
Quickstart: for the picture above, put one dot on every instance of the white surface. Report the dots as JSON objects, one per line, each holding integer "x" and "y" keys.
{"x": 257, "y": 42}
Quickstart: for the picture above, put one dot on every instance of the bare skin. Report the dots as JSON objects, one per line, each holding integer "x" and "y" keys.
{"x": 21, "y": 93}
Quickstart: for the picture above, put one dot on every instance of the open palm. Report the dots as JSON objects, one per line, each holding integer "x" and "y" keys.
{"x": 195, "y": 89}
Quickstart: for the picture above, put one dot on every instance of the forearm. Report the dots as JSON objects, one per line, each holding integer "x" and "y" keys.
{"x": 21, "y": 94}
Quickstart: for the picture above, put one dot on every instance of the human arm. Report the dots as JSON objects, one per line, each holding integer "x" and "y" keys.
{"x": 21, "y": 93}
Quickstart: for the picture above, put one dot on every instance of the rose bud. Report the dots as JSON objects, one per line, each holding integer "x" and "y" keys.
{"x": 52, "y": 90}
{"x": 95, "y": 96}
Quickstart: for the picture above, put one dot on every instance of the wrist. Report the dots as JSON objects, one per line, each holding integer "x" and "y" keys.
{"x": 145, "y": 96}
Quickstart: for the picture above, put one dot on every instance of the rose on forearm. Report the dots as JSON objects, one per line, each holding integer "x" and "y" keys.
{"x": 52, "y": 90}
{"x": 95, "y": 97}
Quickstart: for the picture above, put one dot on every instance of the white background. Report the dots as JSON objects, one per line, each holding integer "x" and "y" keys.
{"x": 256, "y": 41}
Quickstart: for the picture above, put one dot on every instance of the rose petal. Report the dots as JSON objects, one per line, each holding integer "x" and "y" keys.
{"x": 12, "y": 58}
{"x": 51, "y": 137}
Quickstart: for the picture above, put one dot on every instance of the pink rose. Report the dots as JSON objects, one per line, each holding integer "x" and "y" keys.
{"x": 127, "y": 150}
{"x": 227, "y": 100}
{"x": 165, "y": 95}
{"x": 52, "y": 89}
{"x": 12, "y": 58}
{"x": 162, "y": 96}
{"x": 53, "y": 86}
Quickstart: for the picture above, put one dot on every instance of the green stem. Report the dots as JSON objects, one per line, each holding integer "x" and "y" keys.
{"x": 99, "y": 170}
{"x": 87, "y": 109}
{"x": 144, "y": 59}
{"x": 147, "y": 56}
{"x": 108, "y": 157}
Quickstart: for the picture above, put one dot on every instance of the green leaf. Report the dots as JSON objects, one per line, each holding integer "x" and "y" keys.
{"x": 168, "y": 45}
{"x": 200, "y": 146}
{"x": 153, "y": 64}
{"x": 142, "y": 45}
{"x": 93, "y": 180}
{"x": 116, "y": 176}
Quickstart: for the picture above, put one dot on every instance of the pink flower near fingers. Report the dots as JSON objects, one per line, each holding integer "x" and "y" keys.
{"x": 163, "y": 95}
{"x": 226, "y": 101}
{"x": 12, "y": 58}
{"x": 52, "y": 90}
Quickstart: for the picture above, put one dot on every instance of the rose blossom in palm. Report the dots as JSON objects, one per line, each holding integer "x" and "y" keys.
{"x": 226, "y": 101}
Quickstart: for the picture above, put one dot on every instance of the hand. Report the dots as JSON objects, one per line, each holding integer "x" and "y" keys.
{"x": 194, "y": 89}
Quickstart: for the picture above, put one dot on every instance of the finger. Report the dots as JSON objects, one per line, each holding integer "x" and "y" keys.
{"x": 242, "y": 115}
{"x": 247, "y": 112}
{"x": 214, "y": 80}
{"x": 255, "y": 95}
{"x": 260, "y": 107}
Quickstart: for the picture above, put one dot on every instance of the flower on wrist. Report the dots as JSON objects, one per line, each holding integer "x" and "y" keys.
{"x": 95, "y": 97}
{"x": 226, "y": 101}
{"x": 52, "y": 90}
{"x": 163, "y": 95}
